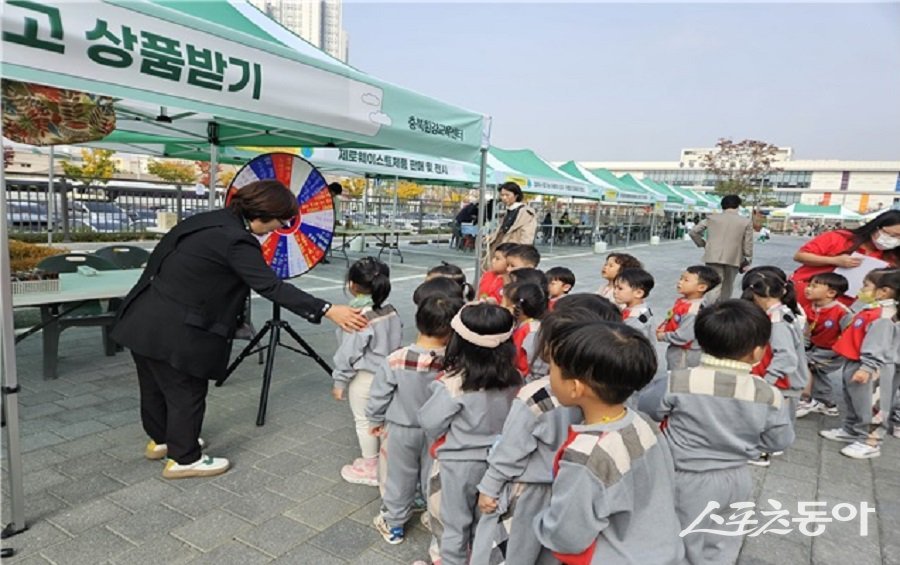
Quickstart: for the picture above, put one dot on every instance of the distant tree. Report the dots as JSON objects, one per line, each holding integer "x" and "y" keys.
{"x": 226, "y": 176}
{"x": 96, "y": 167}
{"x": 354, "y": 187}
{"x": 176, "y": 172}
{"x": 204, "y": 172}
{"x": 407, "y": 190}
{"x": 741, "y": 168}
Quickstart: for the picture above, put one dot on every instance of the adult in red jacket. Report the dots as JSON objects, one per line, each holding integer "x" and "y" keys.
{"x": 880, "y": 238}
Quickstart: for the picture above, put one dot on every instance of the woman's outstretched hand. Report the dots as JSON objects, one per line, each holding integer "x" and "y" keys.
{"x": 347, "y": 318}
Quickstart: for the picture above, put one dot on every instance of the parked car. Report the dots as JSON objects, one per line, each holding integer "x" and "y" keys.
{"x": 98, "y": 226}
{"x": 97, "y": 212}
{"x": 27, "y": 215}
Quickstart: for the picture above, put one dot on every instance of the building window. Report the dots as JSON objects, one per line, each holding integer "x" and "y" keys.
{"x": 845, "y": 180}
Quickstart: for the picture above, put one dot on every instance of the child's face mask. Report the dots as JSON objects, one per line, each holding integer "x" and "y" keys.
{"x": 866, "y": 294}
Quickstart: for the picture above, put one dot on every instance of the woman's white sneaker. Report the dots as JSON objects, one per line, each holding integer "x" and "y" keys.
{"x": 838, "y": 434}
{"x": 206, "y": 466}
{"x": 860, "y": 450}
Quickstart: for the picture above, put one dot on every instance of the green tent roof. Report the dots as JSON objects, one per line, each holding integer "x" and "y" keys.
{"x": 537, "y": 176}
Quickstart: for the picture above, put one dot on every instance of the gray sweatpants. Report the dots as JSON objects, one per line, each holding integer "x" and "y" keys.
{"x": 887, "y": 396}
{"x": 680, "y": 358}
{"x": 825, "y": 366}
{"x": 858, "y": 398}
{"x": 404, "y": 465}
{"x": 507, "y": 535}
{"x": 693, "y": 492}
{"x": 453, "y": 503}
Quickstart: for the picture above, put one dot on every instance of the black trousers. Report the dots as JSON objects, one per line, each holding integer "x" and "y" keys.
{"x": 172, "y": 407}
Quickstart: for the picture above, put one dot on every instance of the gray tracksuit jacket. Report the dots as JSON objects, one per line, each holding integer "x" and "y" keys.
{"x": 719, "y": 416}
{"x": 612, "y": 500}
{"x": 465, "y": 423}
{"x": 366, "y": 349}
{"x": 401, "y": 384}
{"x": 640, "y": 318}
{"x": 535, "y": 429}
{"x": 537, "y": 367}
{"x": 788, "y": 351}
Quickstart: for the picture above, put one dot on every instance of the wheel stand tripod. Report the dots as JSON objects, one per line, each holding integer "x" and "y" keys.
{"x": 272, "y": 327}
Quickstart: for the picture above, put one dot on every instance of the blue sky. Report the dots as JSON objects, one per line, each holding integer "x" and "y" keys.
{"x": 641, "y": 81}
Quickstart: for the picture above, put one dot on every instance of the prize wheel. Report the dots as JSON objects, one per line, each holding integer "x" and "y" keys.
{"x": 294, "y": 250}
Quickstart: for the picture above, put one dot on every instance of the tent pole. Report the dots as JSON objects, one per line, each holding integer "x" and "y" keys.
{"x": 50, "y": 197}
{"x": 394, "y": 219}
{"x": 482, "y": 203}
{"x": 9, "y": 380}
{"x": 212, "y": 135}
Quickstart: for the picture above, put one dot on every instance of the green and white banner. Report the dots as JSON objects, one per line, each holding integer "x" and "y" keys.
{"x": 258, "y": 91}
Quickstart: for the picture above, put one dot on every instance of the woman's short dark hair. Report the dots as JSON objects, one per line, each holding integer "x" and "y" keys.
{"x": 613, "y": 359}
{"x": 335, "y": 188}
{"x": 434, "y": 314}
{"x": 483, "y": 367}
{"x": 732, "y": 329}
{"x": 514, "y": 188}
{"x": 372, "y": 277}
{"x": 264, "y": 200}
{"x": 589, "y": 301}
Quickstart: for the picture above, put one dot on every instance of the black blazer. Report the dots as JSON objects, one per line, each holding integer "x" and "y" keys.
{"x": 184, "y": 309}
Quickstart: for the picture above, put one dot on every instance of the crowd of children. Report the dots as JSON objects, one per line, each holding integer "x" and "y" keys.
{"x": 512, "y": 419}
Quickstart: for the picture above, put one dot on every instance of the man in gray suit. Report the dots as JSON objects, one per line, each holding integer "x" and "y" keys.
{"x": 728, "y": 244}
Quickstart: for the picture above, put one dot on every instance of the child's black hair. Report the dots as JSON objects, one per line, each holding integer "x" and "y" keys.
{"x": 732, "y": 329}
{"x": 441, "y": 286}
{"x": 610, "y": 357}
{"x": 589, "y": 301}
{"x": 529, "y": 275}
{"x": 837, "y": 283}
{"x": 434, "y": 314}
{"x": 706, "y": 275}
{"x": 561, "y": 274}
{"x": 505, "y": 248}
{"x": 453, "y": 272}
{"x": 483, "y": 367}
{"x": 575, "y": 308}
{"x": 372, "y": 277}
{"x": 526, "y": 298}
{"x": 875, "y": 275}
{"x": 770, "y": 282}
{"x": 626, "y": 261}
{"x": 888, "y": 278}
{"x": 638, "y": 279}
{"x": 527, "y": 253}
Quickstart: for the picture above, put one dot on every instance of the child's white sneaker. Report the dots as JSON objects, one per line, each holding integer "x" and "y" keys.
{"x": 860, "y": 450}
{"x": 896, "y": 432}
{"x": 362, "y": 472}
{"x": 391, "y": 535}
{"x": 806, "y": 407}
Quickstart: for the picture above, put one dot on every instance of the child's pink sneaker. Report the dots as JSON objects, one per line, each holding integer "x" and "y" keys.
{"x": 361, "y": 472}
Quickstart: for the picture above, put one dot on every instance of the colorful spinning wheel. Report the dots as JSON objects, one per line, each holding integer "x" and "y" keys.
{"x": 294, "y": 250}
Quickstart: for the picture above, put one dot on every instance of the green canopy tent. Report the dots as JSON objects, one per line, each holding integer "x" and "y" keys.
{"x": 202, "y": 83}
{"x": 535, "y": 175}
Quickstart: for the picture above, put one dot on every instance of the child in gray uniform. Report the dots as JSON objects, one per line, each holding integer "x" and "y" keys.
{"x": 462, "y": 418}
{"x": 678, "y": 328}
{"x": 716, "y": 417}
{"x": 400, "y": 388}
{"x": 612, "y": 501}
{"x": 517, "y": 483}
{"x": 528, "y": 303}
{"x": 360, "y": 354}
{"x": 867, "y": 345}
{"x": 633, "y": 286}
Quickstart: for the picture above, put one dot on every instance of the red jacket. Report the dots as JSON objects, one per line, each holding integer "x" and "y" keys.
{"x": 673, "y": 319}
{"x": 850, "y": 343}
{"x": 491, "y": 286}
{"x": 827, "y": 323}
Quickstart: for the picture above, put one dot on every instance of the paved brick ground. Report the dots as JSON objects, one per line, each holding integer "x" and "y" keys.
{"x": 92, "y": 498}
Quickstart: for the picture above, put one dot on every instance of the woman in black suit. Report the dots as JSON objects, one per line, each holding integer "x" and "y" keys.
{"x": 180, "y": 318}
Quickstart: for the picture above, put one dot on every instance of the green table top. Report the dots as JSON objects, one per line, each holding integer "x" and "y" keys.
{"x": 75, "y": 287}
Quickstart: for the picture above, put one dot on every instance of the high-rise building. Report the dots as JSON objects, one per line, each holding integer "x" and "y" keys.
{"x": 316, "y": 21}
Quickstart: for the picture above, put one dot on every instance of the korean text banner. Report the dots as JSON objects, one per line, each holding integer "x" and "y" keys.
{"x": 144, "y": 52}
